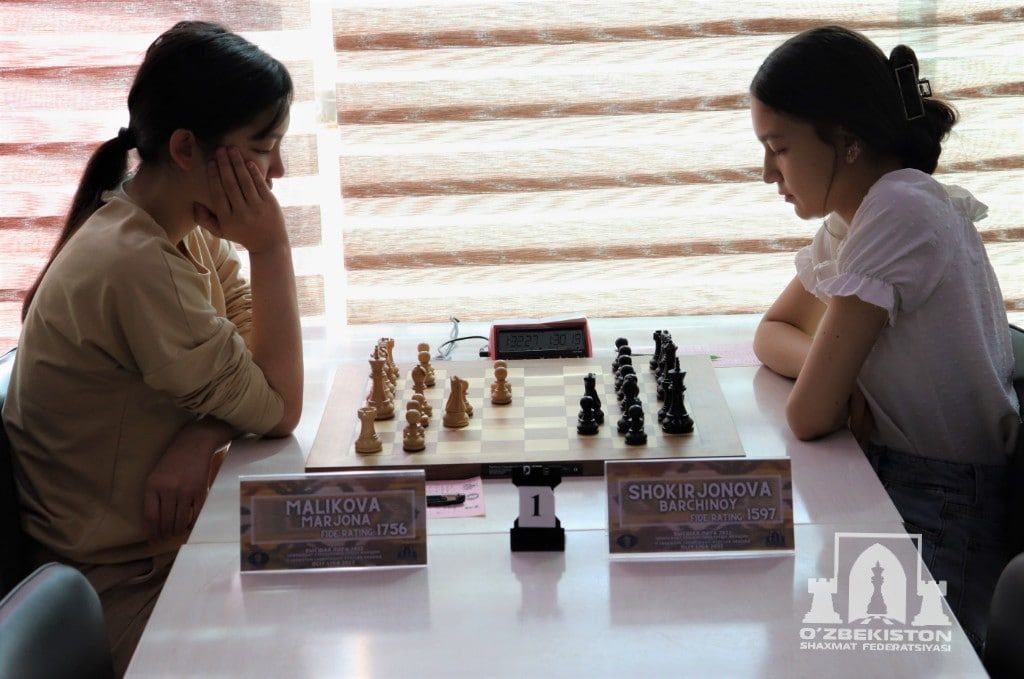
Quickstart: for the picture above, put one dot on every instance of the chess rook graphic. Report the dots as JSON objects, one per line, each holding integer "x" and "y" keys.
{"x": 463, "y": 418}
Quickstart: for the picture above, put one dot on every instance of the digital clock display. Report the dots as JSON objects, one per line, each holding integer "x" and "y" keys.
{"x": 567, "y": 342}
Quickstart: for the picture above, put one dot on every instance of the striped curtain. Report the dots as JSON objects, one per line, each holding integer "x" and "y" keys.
{"x": 537, "y": 157}
{"x": 509, "y": 157}
{"x": 65, "y": 70}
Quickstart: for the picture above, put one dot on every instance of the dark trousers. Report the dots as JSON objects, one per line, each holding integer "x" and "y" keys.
{"x": 962, "y": 513}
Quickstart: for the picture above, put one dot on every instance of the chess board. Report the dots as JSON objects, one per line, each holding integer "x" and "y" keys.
{"x": 539, "y": 426}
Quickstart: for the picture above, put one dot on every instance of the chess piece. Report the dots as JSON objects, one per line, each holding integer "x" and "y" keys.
{"x": 425, "y": 407}
{"x": 465, "y": 398}
{"x": 624, "y": 369}
{"x": 455, "y": 416}
{"x": 631, "y": 391}
{"x": 501, "y": 390}
{"x": 413, "y": 439}
{"x": 586, "y": 423}
{"x": 677, "y": 420}
{"x": 624, "y": 350}
{"x": 424, "y": 358}
{"x": 414, "y": 404}
{"x": 621, "y": 394}
{"x": 368, "y": 441}
{"x": 636, "y": 435}
{"x": 668, "y": 362}
{"x": 537, "y": 529}
{"x": 419, "y": 379}
{"x": 380, "y": 352}
{"x": 389, "y": 351}
{"x": 380, "y": 399}
{"x": 590, "y": 389}
{"x": 657, "y": 350}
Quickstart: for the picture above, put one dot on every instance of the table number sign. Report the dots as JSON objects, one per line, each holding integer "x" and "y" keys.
{"x": 699, "y": 507}
{"x": 336, "y": 520}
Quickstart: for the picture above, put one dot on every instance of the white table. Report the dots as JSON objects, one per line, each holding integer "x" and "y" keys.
{"x": 479, "y": 610}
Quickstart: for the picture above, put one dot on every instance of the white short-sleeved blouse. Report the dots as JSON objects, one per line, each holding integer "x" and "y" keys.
{"x": 939, "y": 378}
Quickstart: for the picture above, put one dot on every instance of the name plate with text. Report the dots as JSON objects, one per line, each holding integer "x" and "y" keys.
{"x": 699, "y": 508}
{"x": 335, "y": 520}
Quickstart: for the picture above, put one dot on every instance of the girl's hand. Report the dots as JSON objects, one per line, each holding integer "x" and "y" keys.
{"x": 242, "y": 208}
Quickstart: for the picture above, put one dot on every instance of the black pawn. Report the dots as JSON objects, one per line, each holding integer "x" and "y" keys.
{"x": 630, "y": 391}
{"x": 621, "y": 342}
{"x": 621, "y": 393}
{"x": 590, "y": 384}
{"x": 586, "y": 424}
{"x": 621, "y": 376}
{"x": 636, "y": 435}
{"x": 677, "y": 420}
{"x": 624, "y": 350}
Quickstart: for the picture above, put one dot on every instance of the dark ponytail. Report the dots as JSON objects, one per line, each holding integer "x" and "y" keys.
{"x": 105, "y": 170}
{"x": 832, "y": 77}
{"x": 196, "y": 76}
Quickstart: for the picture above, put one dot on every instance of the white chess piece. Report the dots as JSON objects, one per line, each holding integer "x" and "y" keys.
{"x": 501, "y": 390}
{"x": 455, "y": 415}
{"x": 413, "y": 439}
{"x": 368, "y": 441}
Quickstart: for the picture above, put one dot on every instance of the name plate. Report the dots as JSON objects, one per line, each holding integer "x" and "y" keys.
{"x": 699, "y": 507}
{"x": 339, "y": 520}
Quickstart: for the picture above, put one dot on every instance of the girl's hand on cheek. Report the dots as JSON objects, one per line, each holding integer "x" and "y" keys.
{"x": 242, "y": 204}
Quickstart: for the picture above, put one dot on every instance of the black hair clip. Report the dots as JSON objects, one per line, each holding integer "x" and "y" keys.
{"x": 912, "y": 91}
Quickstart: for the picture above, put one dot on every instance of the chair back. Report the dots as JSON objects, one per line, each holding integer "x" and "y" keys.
{"x": 51, "y": 626}
{"x": 12, "y": 542}
{"x": 1017, "y": 338}
{"x": 1004, "y": 650}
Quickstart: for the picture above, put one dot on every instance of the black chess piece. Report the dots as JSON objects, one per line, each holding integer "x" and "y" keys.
{"x": 667, "y": 363}
{"x": 623, "y": 360}
{"x": 621, "y": 394}
{"x": 586, "y": 424}
{"x": 677, "y": 420}
{"x": 590, "y": 389}
{"x": 657, "y": 350}
{"x": 621, "y": 342}
{"x": 621, "y": 376}
{"x": 630, "y": 390}
{"x": 624, "y": 350}
{"x": 636, "y": 436}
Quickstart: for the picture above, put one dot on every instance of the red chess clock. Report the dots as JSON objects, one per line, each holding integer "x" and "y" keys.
{"x": 561, "y": 338}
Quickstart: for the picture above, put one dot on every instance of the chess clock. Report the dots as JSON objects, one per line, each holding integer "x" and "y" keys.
{"x": 566, "y": 338}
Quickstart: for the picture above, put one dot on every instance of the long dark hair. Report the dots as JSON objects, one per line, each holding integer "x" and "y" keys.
{"x": 832, "y": 76}
{"x": 196, "y": 76}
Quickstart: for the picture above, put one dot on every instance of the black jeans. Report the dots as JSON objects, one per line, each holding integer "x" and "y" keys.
{"x": 962, "y": 513}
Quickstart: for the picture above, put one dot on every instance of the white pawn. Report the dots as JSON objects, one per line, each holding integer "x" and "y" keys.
{"x": 424, "y": 407}
{"x": 413, "y": 439}
{"x": 428, "y": 370}
{"x": 413, "y": 404}
{"x": 501, "y": 390}
{"x": 368, "y": 441}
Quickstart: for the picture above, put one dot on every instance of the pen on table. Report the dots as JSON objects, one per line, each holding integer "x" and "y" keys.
{"x": 445, "y": 500}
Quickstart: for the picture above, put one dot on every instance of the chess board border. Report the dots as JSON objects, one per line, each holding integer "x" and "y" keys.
{"x": 332, "y": 449}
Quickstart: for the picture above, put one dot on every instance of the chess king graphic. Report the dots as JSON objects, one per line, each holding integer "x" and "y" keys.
{"x": 875, "y": 585}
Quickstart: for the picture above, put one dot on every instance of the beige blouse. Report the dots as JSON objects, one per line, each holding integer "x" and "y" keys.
{"x": 128, "y": 339}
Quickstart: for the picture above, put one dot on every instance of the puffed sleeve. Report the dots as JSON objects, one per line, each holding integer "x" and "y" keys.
{"x": 816, "y": 261}
{"x": 183, "y": 348}
{"x": 898, "y": 247}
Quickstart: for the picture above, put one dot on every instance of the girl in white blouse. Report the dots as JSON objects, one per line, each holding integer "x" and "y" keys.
{"x": 894, "y": 323}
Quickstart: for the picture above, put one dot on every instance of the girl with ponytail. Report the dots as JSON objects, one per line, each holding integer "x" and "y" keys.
{"x": 143, "y": 350}
{"x": 894, "y": 323}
